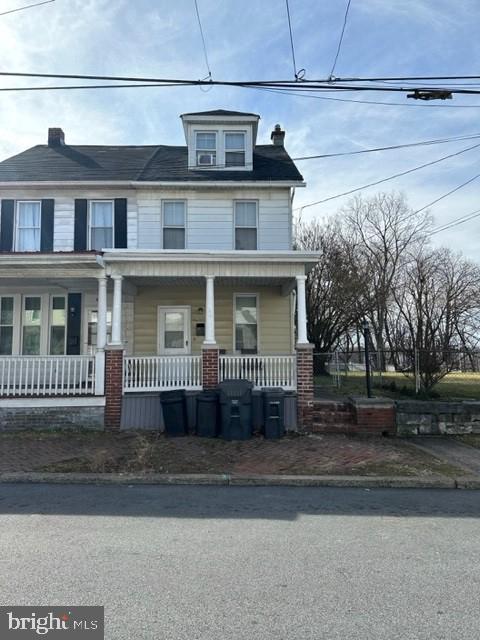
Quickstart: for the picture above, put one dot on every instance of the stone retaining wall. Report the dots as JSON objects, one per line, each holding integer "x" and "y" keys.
{"x": 419, "y": 417}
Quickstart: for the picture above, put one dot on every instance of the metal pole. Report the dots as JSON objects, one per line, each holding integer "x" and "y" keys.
{"x": 366, "y": 337}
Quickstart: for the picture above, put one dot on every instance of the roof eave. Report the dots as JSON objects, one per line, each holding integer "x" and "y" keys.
{"x": 153, "y": 183}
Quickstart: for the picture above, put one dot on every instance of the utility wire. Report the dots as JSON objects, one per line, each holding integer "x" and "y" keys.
{"x": 28, "y": 6}
{"x": 303, "y": 94}
{"x": 396, "y": 146}
{"x": 396, "y": 175}
{"x": 455, "y": 223}
{"x": 341, "y": 39}
{"x": 203, "y": 39}
{"x": 445, "y": 195}
{"x": 292, "y": 46}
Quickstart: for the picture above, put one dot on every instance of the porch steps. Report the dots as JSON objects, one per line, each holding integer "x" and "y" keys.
{"x": 332, "y": 416}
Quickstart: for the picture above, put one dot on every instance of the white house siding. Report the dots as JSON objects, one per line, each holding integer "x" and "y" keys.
{"x": 210, "y": 217}
{"x": 64, "y": 221}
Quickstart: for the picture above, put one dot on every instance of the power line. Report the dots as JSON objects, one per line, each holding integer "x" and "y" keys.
{"x": 292, "y": 46}
{"x": 387, "y": 104}
{"x": 449, "y": 193}
{"x": 396, "y": 175}
{"x": 455, "y": 223}
{"x": 396, "y": 146}
{"x": 203, "y": 40}
{"x": 341, "y": 39}
{"x": 28, "y": 6}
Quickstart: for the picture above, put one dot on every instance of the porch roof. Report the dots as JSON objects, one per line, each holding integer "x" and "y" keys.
{"x": 269, "y": 265}
{"x": 47, "y": 265}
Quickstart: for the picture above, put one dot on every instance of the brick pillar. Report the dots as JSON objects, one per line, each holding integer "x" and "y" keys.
{"x": 210, "y": 366}
{"x": 113, "y": 388}
{"x": 305, "y": 386}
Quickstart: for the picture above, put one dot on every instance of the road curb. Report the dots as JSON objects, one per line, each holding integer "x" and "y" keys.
{"x": 367, "y": 482}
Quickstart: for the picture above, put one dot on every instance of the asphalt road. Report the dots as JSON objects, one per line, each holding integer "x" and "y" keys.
{"x": 246, "y": 563}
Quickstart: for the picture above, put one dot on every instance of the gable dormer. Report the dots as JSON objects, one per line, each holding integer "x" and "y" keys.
{"x": 220, "y": 140}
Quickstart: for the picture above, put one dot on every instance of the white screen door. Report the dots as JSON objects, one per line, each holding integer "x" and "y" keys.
{"x": 173, "y": 330}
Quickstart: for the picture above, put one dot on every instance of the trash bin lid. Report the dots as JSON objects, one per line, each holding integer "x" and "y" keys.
{"x": 235, "y": 388}
{"x": 172, "y": 396}
{"x": 209, "y": 395}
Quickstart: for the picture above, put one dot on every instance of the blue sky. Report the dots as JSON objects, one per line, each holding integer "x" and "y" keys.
{"x": 249, "y": 40}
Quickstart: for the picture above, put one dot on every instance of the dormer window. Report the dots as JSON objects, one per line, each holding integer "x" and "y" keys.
{"x": 235, "y": 149}
{"x": 206, "y": 148}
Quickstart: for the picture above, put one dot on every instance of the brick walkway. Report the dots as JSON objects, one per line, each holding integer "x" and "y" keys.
{"x": 305, "y": 455}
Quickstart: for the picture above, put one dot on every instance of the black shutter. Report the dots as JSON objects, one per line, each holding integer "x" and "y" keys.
{"x": 81, "y": 225}
{"x": 46, "y": 233}
{"x": 74, "y": 324}
{"x": 120, "y": 223}
{"x": 6, "y": 225}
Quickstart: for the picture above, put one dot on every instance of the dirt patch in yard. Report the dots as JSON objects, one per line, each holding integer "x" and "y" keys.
{"x": 153, "y": 453}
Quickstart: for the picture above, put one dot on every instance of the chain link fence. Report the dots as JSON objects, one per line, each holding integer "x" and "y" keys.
{"x": 407, "y": 373}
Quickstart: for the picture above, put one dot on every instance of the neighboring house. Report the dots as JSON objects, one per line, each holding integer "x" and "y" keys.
{"x": 176, "y": 260}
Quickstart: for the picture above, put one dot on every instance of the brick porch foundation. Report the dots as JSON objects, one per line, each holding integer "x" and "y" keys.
{"x": 210, "y": 367}
{"x": 305, "y": 386}
{"x": 113, "y": 388}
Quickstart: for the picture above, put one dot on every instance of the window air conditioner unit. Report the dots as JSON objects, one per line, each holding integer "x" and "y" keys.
{"x": 206, "y": 159}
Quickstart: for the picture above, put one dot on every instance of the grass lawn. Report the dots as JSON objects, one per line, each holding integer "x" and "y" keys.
{"x": 454, "y": 386}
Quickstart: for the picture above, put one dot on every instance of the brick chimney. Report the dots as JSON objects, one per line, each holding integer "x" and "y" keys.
{"x": 56, "y": 137}
{"x": 278, "y": 136}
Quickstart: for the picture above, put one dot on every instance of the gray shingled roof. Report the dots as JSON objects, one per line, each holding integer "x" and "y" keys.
{"x": 221, "y": 112}
{"x": 136, "y": 163}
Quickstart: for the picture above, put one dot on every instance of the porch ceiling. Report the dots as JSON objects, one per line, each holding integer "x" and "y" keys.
{"x": 49, "y": 265}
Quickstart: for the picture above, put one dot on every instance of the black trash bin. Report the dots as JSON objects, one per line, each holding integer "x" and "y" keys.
{"x": 273, "y": 412}
{"x": 236, "y": 409}
{"x": 174, "y": 410}
{"x": 207, "y": 414}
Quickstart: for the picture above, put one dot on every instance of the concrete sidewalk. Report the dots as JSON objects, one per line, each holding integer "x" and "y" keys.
{"x": 451, "y": 451}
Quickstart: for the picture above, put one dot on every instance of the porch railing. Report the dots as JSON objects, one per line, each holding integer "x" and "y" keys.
{"x": 263, "y": 371}
{"x": 157, "y": 373}
{"x": 47, "y": 375}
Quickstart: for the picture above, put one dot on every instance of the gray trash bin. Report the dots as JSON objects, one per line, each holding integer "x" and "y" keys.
{"x": 174, "y": 412}
{"x": 235, "y": 409}
{"x": 207, "y": 414}
{"x": 273, "y": 412}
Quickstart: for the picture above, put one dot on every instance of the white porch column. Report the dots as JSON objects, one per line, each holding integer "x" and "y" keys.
{"x": 117, "y": 310}
{"x": 209, "y": 311}
{"x": 102, "y": 313}
{"x": 301, "y": 311}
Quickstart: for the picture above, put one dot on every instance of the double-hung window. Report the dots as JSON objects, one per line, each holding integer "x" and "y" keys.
{"x": 32, "y": 325}
{"x": 246, "y": 225}
{"x": 101, "y": 225}
{"x": 28, "y": 223}
{"x": 58, "y": 324}
{"x": 246, "y": 334}
{"x": 6, "y": 325}
{"x": 235, "y": 149}
{"x": 206, "y": 148}
{"x": 174, "y": 224}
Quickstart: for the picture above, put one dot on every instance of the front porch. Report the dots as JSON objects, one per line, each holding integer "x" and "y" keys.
{"x": 124, "y": 323}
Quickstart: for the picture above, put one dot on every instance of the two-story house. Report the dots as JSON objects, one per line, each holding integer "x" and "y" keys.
{"x": 176, "y": 261}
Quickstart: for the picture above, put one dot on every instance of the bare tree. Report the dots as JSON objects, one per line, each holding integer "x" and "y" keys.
{"x": 334, "y": 307}
{"x": 384, "y": 232}
{"x": 436, "y": 299}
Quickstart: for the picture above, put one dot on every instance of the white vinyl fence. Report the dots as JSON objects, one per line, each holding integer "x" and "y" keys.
{"x": 47, "y": 375}
{"x": 157, "y": 373}
{"x": 263, "y": 371}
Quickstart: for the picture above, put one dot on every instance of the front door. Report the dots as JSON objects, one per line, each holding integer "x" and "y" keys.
{"x": 173, "y": 330}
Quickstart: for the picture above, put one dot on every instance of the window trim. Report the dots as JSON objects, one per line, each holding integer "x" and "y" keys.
{"x": 43, "y": 328}
{"x": 244, "y": 150}
{"x": 9, "y": 295}
{"x": 50, "y": 324}
{"x": 89, "y": 225}
{"x": 170, "y": 226}
{"x": 17, "y": 226}
{"x": 235, "y": 223}
{"x": 244, "y": 294}
{"x": 197, "y": 149}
